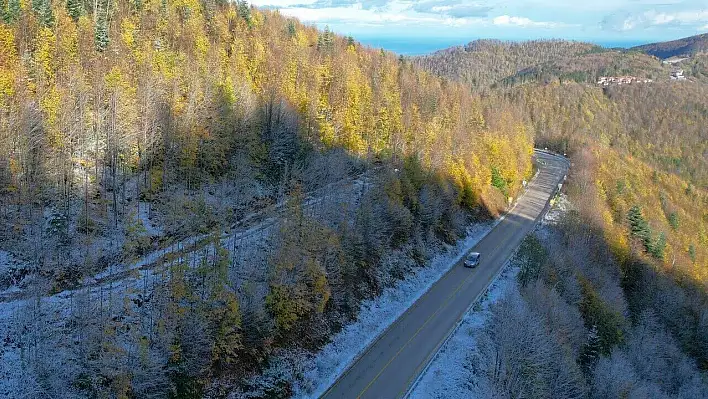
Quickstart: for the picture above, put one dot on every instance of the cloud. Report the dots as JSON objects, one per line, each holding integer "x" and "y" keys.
{"x": 398, "y": 13}
{"x": 355, "y": 14}
{"x": 652, "y": 18}
{"x": 454, "y": 8}
{"x": 506, "y": 20}
{"x": 501, "y": 18}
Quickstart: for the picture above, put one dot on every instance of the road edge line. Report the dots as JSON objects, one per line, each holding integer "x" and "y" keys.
{"x": 436, "y": 352}
{"x": 363, "y": 352}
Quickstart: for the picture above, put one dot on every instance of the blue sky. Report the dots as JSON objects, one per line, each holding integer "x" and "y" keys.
{"x": 425, "y": 22}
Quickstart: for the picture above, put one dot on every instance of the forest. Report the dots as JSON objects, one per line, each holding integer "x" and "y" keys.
{"x": 187, "y": 187}
{"x": 485, "y": 64}
{"x": 190, "y": 187}
{"x": 614, "y": 298}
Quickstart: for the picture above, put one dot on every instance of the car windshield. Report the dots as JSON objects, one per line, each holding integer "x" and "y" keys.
{"x": 473, "y": 257}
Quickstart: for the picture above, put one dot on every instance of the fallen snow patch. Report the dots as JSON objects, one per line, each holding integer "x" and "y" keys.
{"x": 560, "y": 205}
{"x": 376, "y": 315}
{"x": 144, "y": 215}
{"x": 449, "y": 374}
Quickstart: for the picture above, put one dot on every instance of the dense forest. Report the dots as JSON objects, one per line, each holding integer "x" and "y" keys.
{"x": 187, "y": 186}
{"x": 492, "y": 63}
{"x": 616, "y": 294}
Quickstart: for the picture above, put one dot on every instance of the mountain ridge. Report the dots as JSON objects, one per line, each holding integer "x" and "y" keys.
{"x": 687, "y": 46}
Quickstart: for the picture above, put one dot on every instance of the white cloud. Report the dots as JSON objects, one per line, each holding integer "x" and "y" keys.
{"x": 506, "y": 20}
{"x": 282, "y": 3}
{"x": 653, "y": 18}
{"x": 394, "y": 12}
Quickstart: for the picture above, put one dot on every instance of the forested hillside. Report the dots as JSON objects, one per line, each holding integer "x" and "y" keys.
{"x": 641, "y": 157}
{"x": 587, "y": 68}
{"x": 687, "y": 46}
{"x": 489, "y": 63}
{"x": 639, "y": 183}
{"x": 188, "y": 186}
{"x": 482, "y": 63}
{"x": 696, "y": 66}
{"x": 614, "y": 298}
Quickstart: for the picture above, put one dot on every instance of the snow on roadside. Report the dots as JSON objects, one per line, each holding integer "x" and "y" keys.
{"x": 376, "y": 315}
{"x": 560, "y": 206}
{"x": 449, "y": 374}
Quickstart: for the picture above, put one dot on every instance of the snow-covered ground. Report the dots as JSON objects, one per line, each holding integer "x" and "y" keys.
{"x": 560, "y": 205}
{"x": 144, "y": 215}
{"x": 8, "y": 263}
{"x": 376, "y": 315}
{"x": 450, "y": 375}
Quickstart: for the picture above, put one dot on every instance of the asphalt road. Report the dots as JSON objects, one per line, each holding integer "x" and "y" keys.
{"x": 392, "y": 363}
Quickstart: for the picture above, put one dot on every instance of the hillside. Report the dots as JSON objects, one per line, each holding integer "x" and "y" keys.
{"x": 631, "y": 255}
{"x": 688, "y": 46}
{"x": 482, "y": 63}
{"x": 188, "y": 187}
{"x": 487, "y": 63}
{"x": 696, "y": 67}
{"x": 197, "y": 195}
{"x": 587, "y": 68}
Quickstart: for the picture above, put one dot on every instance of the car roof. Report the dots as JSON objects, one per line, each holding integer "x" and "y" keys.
{"x": 473, "y": 254}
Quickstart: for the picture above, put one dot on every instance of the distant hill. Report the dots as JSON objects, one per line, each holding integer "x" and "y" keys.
{"x": 489, "y": 63}
{"x": 681, "y": 47}
{"x": 587, "y": 68}
{"x": 485, "y": 62}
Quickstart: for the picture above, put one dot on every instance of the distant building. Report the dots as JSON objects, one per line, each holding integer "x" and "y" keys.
{"x": 621, "y": 80}
{"x": 677, "y": 75}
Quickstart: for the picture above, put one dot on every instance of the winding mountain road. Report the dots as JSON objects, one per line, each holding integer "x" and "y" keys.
{"x": 391, "y": 364}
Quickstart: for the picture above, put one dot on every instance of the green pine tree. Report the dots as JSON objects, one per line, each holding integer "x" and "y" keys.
{"x": 292, "y": 29}
{"x": 639, "y": 227}
{"x": 46, "y": 14}
{"x": 101, "y": 38}
{"x": 75, "y": 9}
{"x": 674, "y": 220}
{"x": 498, "y": 181}
{"x": 244, "y": 11}
{"x": 13, "y": 11}
{"x": 658, "y": 247}
{"x": 3, "y": 11}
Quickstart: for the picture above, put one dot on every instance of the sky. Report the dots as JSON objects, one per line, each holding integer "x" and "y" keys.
{"x": 419, "y": 26}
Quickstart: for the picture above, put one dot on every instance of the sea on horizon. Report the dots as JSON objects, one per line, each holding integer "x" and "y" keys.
{"x": 413, "y": 46}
